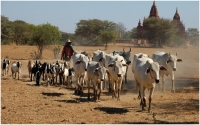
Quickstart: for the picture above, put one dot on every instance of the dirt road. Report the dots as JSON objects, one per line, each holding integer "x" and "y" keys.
{"x": 24, "y": 103}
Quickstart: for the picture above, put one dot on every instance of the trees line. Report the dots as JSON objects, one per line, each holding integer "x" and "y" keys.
{"x": 91, "y": 32}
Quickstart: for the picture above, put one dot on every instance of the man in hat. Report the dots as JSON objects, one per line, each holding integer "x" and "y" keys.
{"x": 67, "y": 51}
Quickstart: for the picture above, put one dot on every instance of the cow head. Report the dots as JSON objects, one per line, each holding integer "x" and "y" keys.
{"x": 100, "y": 72}
{"x": 84, "y": 60}
{"x": 117, "y": 67}
{"x": 126, "y": 55}
{"x": 172, "y": 59}
{"x": 153, "y": 69}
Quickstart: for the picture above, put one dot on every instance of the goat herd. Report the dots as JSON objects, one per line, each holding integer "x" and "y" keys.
{"x": 99, "y": 69}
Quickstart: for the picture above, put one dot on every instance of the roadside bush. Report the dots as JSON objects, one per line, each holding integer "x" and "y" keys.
{"x": 5, "y": 42}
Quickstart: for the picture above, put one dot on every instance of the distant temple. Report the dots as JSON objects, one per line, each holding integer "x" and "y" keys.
{"x": 154, "y": 13}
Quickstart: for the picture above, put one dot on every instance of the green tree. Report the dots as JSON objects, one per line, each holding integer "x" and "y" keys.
{"x": 90, "y": 30}
{"x": 159, "y": 31}
{"x": 20, "y": 32}
{"x": 133, "y": 33}
{"x": 45, "y": 35}
{"x": 193, "y": 36}
{"x": 121, "y": 30}
{"x": 107, "y": 37}
{"x": 5, "y": 29}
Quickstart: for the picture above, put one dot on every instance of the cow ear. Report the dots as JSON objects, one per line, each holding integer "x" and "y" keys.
{"x": 107, "y": 72}
{"x": 97, "y": 69}
{"x": 148, "y": 70}
{"x": 111, "y": 65}
{"x": 100, "y": 59}
{"x": 147, "y": 62}
{"x": 179, "y": 60}
{"x": 124, "y": 65}
{"x": 78, "y": 62}
{"x": 168, "y": 61}
{"x": 140, "y": 56}
{"x": 163, "y": 68}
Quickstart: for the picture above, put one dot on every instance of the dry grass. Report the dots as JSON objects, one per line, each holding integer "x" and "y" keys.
{"x": 24, "y": 103}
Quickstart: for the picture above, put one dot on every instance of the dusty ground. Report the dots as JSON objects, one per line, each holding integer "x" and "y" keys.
{"x": 24, "y": 103}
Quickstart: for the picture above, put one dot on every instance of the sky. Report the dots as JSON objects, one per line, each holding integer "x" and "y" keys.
{"x": 66, "y": 14}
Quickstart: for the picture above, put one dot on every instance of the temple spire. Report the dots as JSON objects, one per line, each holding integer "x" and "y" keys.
{"x": 154, "y": 10}
{"x": 176, "y": 15}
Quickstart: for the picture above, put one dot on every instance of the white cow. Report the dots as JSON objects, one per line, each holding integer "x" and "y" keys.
{"x": 126, "y": 56}
{"x": 103, "y": 59}
{"x": 96, "y": 55}
{"x": 97, "y": 75}
{"x": 16, "y": 68}
{"x": 80, "y": 63}
{"x": 5, "y": 67}
{"x": 169, "y": 61}
{"x": 146, "y": 74}
{"x": 121, "y": 58}
{"x": 116, "y": 70}
{"x": 135, "y": 57}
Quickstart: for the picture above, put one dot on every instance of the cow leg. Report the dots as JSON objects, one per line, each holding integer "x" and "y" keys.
{"x": 18, "y": 75}
{"x": 142, "y": 97}
{"x": 76, "y": 87}
{"x": 99, "y": 94}
{"x": 113, "y": 89}
{"x": 110, "y": 84}
{"x": 172, "y": 78}
{"x": 119, "y": 88}
{"x": 101, "y": 88}
{"x": 150, "y": 98}
{"x": 163, "y": 82}
{"x": 104, "y": 84}
{"x": 126, "y": 74}
{"x": 89, "y": 89}
{"x": 81, "y": 86}
{"x": 173, "y": 87}
{"x": 95, "y": 85}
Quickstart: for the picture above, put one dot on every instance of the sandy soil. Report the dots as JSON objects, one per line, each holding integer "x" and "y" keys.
{"x": 24, "y": 103}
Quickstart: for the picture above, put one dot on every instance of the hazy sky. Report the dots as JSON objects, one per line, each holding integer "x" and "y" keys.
{"x": 65, "y": 14}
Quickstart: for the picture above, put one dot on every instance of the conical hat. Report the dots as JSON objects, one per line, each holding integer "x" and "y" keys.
{"x": 68, "y": 41}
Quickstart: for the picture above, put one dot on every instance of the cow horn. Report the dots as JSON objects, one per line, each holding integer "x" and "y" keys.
{"x": 176, "y": 54}
{"x": 130, "y": 50}
{"x": 113, "y": 53}
{"x": 123, "y": 50}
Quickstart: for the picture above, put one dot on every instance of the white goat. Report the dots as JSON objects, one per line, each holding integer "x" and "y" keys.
{"x": 16, "y": 68}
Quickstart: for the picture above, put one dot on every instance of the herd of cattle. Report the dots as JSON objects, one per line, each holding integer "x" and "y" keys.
{"x": 102, "y": 68}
